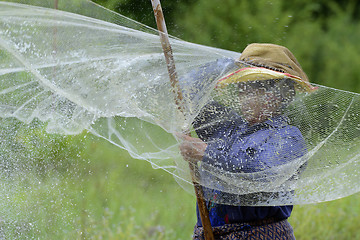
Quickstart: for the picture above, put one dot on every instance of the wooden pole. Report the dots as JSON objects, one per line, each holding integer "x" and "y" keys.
{"x": 160, "y": 22}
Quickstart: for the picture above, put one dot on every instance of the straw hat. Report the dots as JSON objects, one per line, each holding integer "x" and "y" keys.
{"x": 263, "y": 61}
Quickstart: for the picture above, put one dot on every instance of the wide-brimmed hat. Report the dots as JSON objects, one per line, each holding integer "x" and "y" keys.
{"x": 263, "y": 61}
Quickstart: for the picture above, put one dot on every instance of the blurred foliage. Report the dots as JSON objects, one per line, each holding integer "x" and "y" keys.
{"x": 322, "y": 34}
{"x": 82, "y": 187}
{"x": 142, "y": 11}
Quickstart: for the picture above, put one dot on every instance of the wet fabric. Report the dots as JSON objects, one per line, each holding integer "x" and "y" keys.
{"x": 278, "y": 230}
{"x": 235, "y": 146}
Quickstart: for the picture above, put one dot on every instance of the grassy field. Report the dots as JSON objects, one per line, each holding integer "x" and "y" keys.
{"x": 330, "y": 220}
{"x": 107, "y": 195}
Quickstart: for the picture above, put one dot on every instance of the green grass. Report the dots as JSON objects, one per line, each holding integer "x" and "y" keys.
{"x": 337, "y": 219}
{"x": 105, "y": 194}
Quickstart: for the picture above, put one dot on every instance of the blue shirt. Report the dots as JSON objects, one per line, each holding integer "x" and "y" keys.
{"x": 234, "y": 146}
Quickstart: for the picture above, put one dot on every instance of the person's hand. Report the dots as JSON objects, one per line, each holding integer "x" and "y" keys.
{"x": 192, "y": 149}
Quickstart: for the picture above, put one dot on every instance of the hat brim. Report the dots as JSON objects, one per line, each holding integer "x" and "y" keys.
{"x": 250, "y": 74}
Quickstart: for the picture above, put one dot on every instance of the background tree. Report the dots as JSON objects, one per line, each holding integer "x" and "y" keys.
{"x": 142, "y": 11}
{"x": 323, "y": 34}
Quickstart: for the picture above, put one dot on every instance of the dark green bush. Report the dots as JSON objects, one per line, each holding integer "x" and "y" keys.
{"x": 323, "y": 35}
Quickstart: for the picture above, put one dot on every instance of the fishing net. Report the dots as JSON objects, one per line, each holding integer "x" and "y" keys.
{"x": 103, "y": 73}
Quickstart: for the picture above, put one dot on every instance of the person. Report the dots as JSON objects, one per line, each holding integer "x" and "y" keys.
{"x": 256, "y": 140}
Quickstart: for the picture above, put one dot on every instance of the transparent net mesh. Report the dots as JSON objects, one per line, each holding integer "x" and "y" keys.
{"x": 266, "y": 143}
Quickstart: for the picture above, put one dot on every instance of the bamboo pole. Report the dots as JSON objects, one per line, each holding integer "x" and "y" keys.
{"x": 160, "y": 22}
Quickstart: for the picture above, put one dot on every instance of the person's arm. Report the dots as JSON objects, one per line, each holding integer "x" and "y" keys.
{"x": 212, "y": 115}
{"x": 192, "y": 149}
{"x": 214, "y": 119}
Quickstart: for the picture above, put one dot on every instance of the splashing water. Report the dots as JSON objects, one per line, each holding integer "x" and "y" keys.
{"x": 108, "y": 76}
